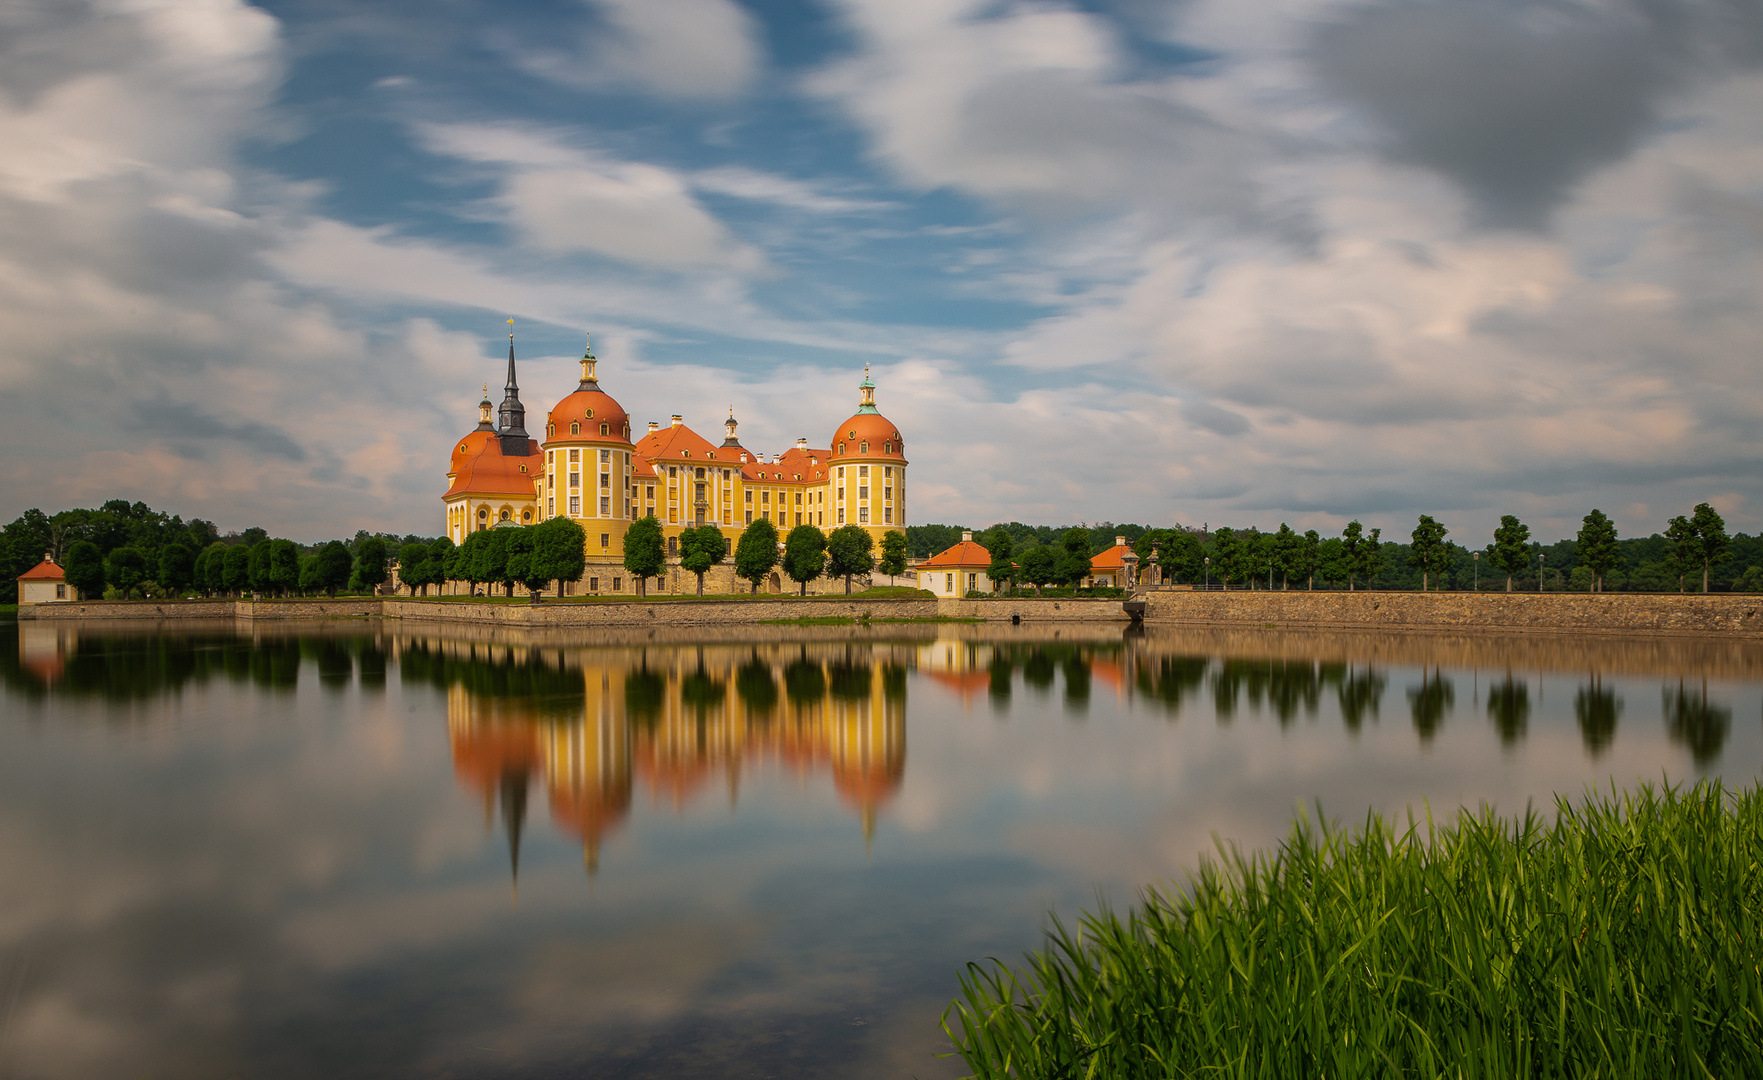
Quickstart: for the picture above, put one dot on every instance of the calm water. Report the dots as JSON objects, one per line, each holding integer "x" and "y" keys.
{"x": 389, "y": 850}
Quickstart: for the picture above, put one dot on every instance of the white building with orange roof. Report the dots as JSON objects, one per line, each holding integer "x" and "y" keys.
{"x": 1116, "y": 567}
{"x": 44, "y": 583}
{"x": 958, "y": 570}
{"x": 591, "y": 471}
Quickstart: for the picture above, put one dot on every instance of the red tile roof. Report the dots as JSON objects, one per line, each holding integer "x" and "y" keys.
{"x": 680, "y": 443}
{"x": 875, "y": 428}
{"x": 1112, "y": 559}
{"x": 966, "y": 555}
{"x": 43, "y": 571}
{"x": 480, "y": 469}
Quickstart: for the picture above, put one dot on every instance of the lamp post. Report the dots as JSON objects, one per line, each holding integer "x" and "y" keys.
{"x": 1539, "y": 571}
{"x": 1208, "y": 572}
{"x": 1476, "y": 555}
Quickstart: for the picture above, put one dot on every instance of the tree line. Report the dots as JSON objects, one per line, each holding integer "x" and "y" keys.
{"x": 1693, "y": 550}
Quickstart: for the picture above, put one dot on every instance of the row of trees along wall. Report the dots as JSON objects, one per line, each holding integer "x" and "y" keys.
{"x": 1694, "y": 551}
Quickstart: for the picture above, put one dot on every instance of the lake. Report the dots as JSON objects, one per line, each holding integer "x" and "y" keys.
{"x": 400, "y": 849}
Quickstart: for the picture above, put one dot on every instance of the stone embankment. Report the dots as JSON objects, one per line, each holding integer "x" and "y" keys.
{"x": 1575, "y": 613}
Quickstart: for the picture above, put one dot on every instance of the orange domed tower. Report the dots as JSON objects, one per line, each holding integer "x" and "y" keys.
{"x": 588, "y": 463}
{"x": 869, "y": 469}
{"x": 493, "y": 472}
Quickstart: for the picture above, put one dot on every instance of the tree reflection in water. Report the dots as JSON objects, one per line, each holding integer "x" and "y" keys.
{"x": 1037, "y": 672}
{"x": 1509, "y": 709}
{"x": 1429, "y": 702}
{"x": 1359, "y": 692}
{"x": 1077, "y": 684}
{"x": 757, "y": 688}
{"x": 1692, "y": 720}
{"x": 1597, "y": 709}
{"x": 1168, "y": 681}
{"x": 999, "y": 674}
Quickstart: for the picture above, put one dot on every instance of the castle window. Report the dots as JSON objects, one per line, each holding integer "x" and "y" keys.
{"x": 863, "y": 515}
{"x": 605, "y": 540}
{"x": 605, "y": 480}
{"x": 841, "y": 449}
{"x": 504, "y": 515}
{"x": 887, "y": 448}
{"x": 853, "y": 435}
{"x": 887, "y": 515}
{"x": 673, "y": 545}
{"x": 523, "y": 468}
{"x": 550, "y": 429}
{"x": 575, "y": 428}
{"x": 575, "y": 455}
{"x": 700, "y": 474}
{"x": 863, "y": 448}
{"x": 862, "y": 470}
{"x": 605, "y": 429}
{"x": 605, "y": 457}
{"x": 575, "y": 506}
{"x": 526, "y": 515}
{"x": 590, "y": 414}
{"x": 482, "y": 514}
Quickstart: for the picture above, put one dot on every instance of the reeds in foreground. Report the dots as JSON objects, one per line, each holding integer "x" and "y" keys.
{"x": 1621, "y": 940}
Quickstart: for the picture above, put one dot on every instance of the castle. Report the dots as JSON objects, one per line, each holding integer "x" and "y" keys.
{"x": 590, "y": 470}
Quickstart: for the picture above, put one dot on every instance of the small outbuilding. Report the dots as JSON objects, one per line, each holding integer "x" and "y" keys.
{"x": 1117, "y": 566}
{"x": 44, "y": 583}
{"x": 958, "y": 570}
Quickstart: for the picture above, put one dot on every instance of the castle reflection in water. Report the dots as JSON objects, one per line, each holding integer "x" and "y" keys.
{"x": 594, "y": 725}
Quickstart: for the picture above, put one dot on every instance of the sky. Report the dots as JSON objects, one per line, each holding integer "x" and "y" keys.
{"x": 1220, "y": 261}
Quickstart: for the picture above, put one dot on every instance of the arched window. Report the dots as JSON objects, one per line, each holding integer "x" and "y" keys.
{"x": 863, "y": 448}
{"x": 575, "y": 428}
{"x": 887, "y": 448}
{"x": 504, "y": 515}
{"x": 526, "y": 515}
{"x": 550, "y": 429}
{"x": 482, "y": 514}
{"x": 841, "y": 449}
{"x": 605, "y": 429}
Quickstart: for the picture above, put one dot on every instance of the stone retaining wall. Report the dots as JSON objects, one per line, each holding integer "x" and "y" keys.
{"x": 1035, "y": 611}
{"x": 687, "y": 613}
{"x": 1578, "y": 613}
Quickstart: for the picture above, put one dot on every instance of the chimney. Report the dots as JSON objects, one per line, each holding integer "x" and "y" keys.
{"x": 653, "y": 426}
{"x": 801, "y": 444}
{"x": 1120, "y": 541}
{"x": 967, "y": 536}
{"x": 678, "y": 420}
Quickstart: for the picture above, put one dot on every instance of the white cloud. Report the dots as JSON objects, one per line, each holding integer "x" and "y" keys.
{"x": 669, "y": 48}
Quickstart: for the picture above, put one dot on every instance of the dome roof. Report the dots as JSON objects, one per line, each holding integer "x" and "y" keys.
{"x": 873, "y": 428}
{"x": 479, "y": 467}
{"x": 591, "y": 407}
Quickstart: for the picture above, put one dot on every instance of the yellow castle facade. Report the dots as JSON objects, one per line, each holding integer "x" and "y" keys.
{"x": 590, "y": 466}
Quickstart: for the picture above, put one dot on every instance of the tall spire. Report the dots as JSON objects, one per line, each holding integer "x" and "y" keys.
{"x": 589, "y": 380}
{"x": 511, "y": 420}
{"x": 868, "y": 388}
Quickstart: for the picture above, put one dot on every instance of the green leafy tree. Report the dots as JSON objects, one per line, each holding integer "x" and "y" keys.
{"x": 1181, "y": 555}
{"x": 1428, "y": 550}
{"x": 559, "y": 552}
{"x": 370, "y": 563}
{"x": 1597, "y": 548}
{"x": 85, "y": 569}
{"x": 805, "y": 554}
{"x": 893, "y": 553}
{"x": 848, "y": 553}
{"x": 177, "y": 566}
{"x": 334, "y": 565}
{"x": 213, "y": 578}
{"x": 1309, "y": 555}
{"x": 309, "y": 574}
{"x": 1510, "y": 550}
{"x": 999, "y": 544}
{"x": 238, "y": 569}
{"x": 441, "y": 554}
{"x": 1370, "y": 557}
{"x": 1352, "y": 545}
{"x": 1074, "y": 557}
{"x": 284, "y": 566}
{"x": 1040, "y": 566}
{"x": 1681, "y": 536}
{"x": 1331, "y": 560}
{"x": 644, "y": 556}
{"x": 700, "y": 549}
{"x": 414, "y": 564}
{"x": 756, "y": 553}
{"x": 260, "y": 567}
{"x": 489, "y": 562}
{"x": 125, "y": 568}
{"x": 1711, "y": 540}
{"x": 1288, "y": 555}
{"x": 1236, "y": 554}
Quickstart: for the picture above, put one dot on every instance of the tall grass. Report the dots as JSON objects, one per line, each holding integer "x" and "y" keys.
{"x": 1619, "y": 940}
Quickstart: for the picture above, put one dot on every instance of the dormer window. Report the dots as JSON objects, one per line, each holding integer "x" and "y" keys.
{"x": 550, "y": 429}
{"x": 887, "y": 448}
{"x": 864, "y": 447}
{"x": 605, "y": 429}
{"x": 841, "y": 449}
{"x": 575, "y": 428}
{"x": 685, "y": 453}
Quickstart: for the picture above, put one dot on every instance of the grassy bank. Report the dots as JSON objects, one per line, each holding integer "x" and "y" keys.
{"x": 1619, "y": 940}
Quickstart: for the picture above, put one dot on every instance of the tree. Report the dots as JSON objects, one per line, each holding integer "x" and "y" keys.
{"x": 805, "y": 554}
{"x": 85, "y": 569}
{"x": 213, "y": 577}
{"x": 238, "y": 569}
{"x": 413, "y": 566}
{"x": 1235, "y": 553}
{"x": 1040, "y": 566}
{"x": 848, "y": 553}
{"x": 560, "y": 551}
{"x": 284, "y": 566}
{"x": 700, "y": 549}
{"x": 1510, "y": 550}
{"x": 489, "y": 562}
{"x": 1352, "y": 557}
{"x": 1288, "y": 555}
{"x": 370, "y": 563}
{"x": 259, "y": 578}
{"x": 1331, "y": 560}
{"x": 1074, "y": 558}
{"x": 1369, "y": 558}
{"x": 643, "y": 556}
{"x": 1711, "y": 538}
{"x": 441, "y": 555}
{"x": 1428, "y": 549}
{"x": 1309, "y": 554}
{"x": 998, "y": 544}
{"x": 308, "y": 574}
{"x": 334, "y": 565}
{"x": 177, "y": 565}
{"x": 1597, "y": 548}
{"x": 756, "y": 553}
{"x": 125, "y": 568}
{"x": 893, "y": 553}
{"x": 1181, "y": 555}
